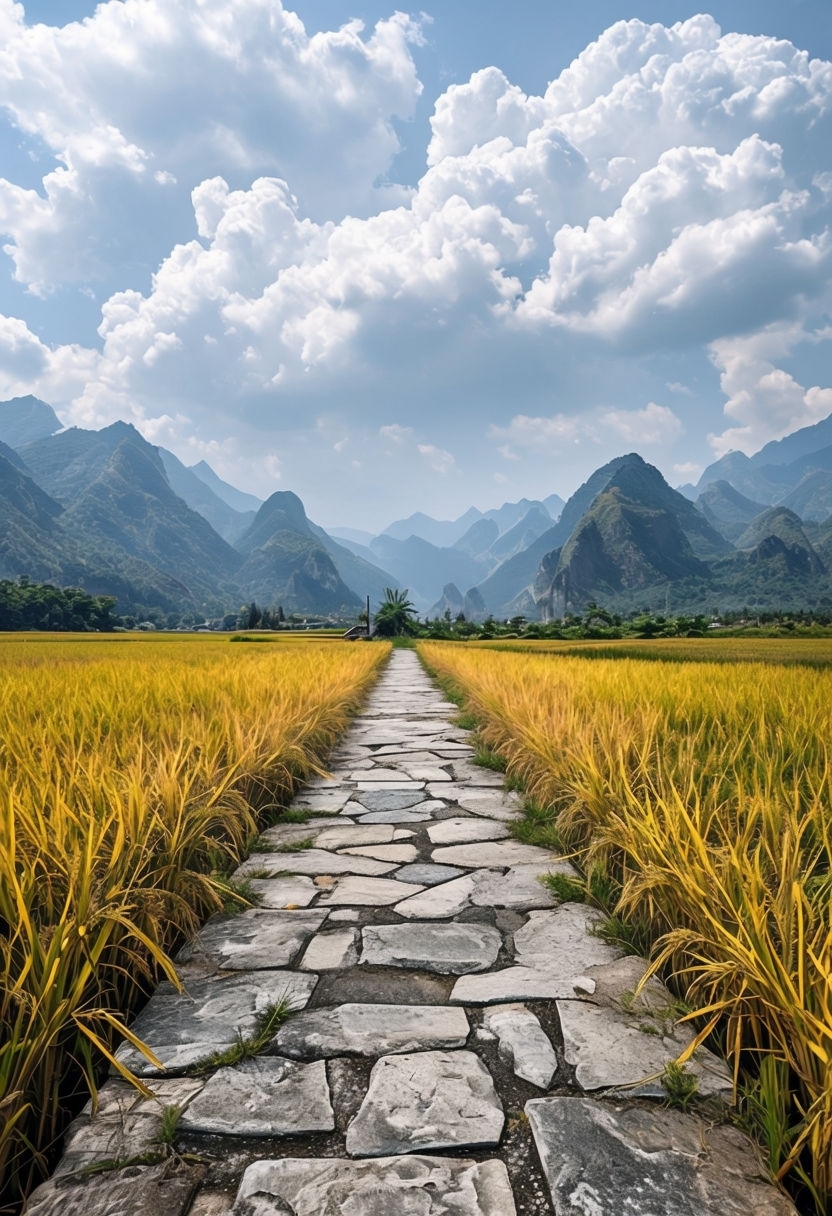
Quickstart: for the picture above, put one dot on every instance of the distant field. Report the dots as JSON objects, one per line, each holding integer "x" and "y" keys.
{"x": 696, "y": 797}
{"x": 810, "y": 651}
{"x": 133, "y": 771}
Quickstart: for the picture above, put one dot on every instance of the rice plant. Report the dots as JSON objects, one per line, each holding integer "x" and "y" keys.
{"x": 132, "y": 776}
{"x": 703, "y": 792}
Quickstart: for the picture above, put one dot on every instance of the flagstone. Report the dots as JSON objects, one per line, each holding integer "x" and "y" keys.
{"x": 209, "y": 1016}
{"x": 426, "y": 1100}
{"x": 413, "y": 1185}
{"x": 293, "y": 891}
{"x": 388, "y": 800}
{"x": 264, "y": 1096}
{"x": 259, "y": 939}
{"x": 401, "y": 853}
{"x": 331, "y": 950}
{"x": 523, "y": 1043}
{"x": 490, "y": 853}
{"x": 600, "y": 1157}
{"x": 370, "y": 1030}
{"x": 427, "y": 874}
{"x": 449, "y": 949}
{"x": 461, "y": 830}
{"x": 326, "y": 861}
{"x": 369, "y": 892}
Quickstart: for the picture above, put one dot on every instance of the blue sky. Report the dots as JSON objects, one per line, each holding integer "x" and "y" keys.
{"x": 426, "y": 261}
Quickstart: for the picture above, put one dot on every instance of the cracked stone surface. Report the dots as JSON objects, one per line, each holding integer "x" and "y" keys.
{"x": 371, "y": 1030}
{"x": 387, "y": 1186}
{"x": 449, "y": 949}
{"x": 602, "y": 1158}
{"x": 523, "y": 1043}
{"x": 613, "y": 1048}
{"x": 263, "y": 1097}
{"x": 400, "y": 915}
{"x": 185, "y": 1028}
{"x": 427, "y": 1100}
{"x": 256, "y": 939}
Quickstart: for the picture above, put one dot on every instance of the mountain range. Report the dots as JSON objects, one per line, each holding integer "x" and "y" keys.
{"x": 107, "y": 511}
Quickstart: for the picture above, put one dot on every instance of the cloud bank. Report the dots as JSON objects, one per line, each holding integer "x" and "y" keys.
{"x": 567, "y": 263}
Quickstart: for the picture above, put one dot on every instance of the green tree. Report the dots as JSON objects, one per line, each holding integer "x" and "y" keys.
{"x": 396, "y": 615}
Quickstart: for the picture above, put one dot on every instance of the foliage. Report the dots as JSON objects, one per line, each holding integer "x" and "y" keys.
{"x": 25, "y": 605}
{"x": 395, "y": 615}
{"x": 697, "y": 797}
{"x": 132, "y": 773}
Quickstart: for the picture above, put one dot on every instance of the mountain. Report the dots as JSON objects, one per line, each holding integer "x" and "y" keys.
{"x": 780, "y": 472}
{"x": 451, "y": 601}
{"x": 479, "y": 538}
{"x": 525, "y": 532}
{"x": 726, "y": 510}
{"x": 424, "y": 568}
{"x": 12, "y": 457}
{"x": 25, "y": 419}
{"x": 129, "y": 508}
{"x": 641, "y": 544}
{"x": 354, "y": 535}
{"x": 238, "y": 500}
{"x": 64, "y": 464}
{"x": 201, "y": 498}
{"x": 439, "y": 532}
{"x": 286, "y": 563}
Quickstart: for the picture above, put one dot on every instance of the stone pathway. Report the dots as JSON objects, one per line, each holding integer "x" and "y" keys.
{"x": 461, "y": 1045}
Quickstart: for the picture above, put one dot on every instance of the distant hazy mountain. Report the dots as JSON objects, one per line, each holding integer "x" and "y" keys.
{"x": 229, "y": 523}
{"x": 439, "y": 532}
{"x": 726, "y": 509}
{"x": 355, "y": 535}
{"x": 24, "y": 419}
{"x": 782, "y": 471}
{"x": 238, "y": 500}
{"x": 424, "y": 568}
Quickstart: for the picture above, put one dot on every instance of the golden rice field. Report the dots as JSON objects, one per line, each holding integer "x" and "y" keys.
{"x": 133, "y": 771}
{"x": 696, "y": 798}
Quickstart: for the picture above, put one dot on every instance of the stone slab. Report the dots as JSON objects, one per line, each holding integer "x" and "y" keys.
{"x": 560, "y": 944}
{"x": 402, "y": 785}
{"x": 493, "y": 804}
{"x": 324, "y": 861}
{"x": 331, "y": 951}
{"x": 265, "y": 1096}
{"x": 427, "y": 1100}
{"x": 293, "y": 891}
{"x": 389, "y": 800}
{"x": 319, "y": 800}
{"x": 387, "y": 1186}
{"x": 186, "y": 1028}
{"x": 336, "y": 837}
{"x": 133, "y": 1191}
{"x": 259, "y": 939}
{"x": 447, "y": 899}
{"x": 448, "y": 949}
{"x": 427, "y": 874}
{"x": 369, "y": 892}
{"x": 400, "y": 853}
{"x": 490, "y": 853}
{"x": 465, "y": 831}
{"x": 524, "y": 1044}
{"x": 407, "y": 815}
{"x": 509, "y": 984}
{"x": 477, "y": 775}
{"x": 287, "y": 833}
{"x": 520, "y": 887}
{"x": 126, "y": 1123}
{"x": 370, "y": 1030}
{"x": 600, "y": 1158}
{"x": 612, "y": 1048}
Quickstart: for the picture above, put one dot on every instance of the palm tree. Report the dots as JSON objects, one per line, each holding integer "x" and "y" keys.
{"x": 395, "y": 615}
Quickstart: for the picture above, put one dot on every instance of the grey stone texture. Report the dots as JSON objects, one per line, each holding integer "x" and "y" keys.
{"x": 449, "y": 949}
{"x": 387, "y": 1186}
{"x": 187, "y": 1028}
{"x": 601, "y": 1159}
{"x": 524, "y": 1045}
{"x": 259, "y": 939}
{"x": 371, "y": 1030}
{"x": 265, "y": 1096}
{"x": 427, "y": 1100}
